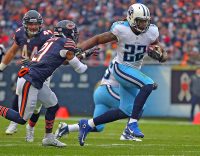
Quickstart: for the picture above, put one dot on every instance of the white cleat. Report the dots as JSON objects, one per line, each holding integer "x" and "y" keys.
{"x": 12, "y": 128}
{"x": 29, "y": 133}
{"x": 125, "y": 137}
{"x": 52, "y": 141}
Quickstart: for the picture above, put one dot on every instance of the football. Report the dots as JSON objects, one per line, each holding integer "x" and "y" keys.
{"x": 155, "y": 52}
{"x": 153, "y": 48}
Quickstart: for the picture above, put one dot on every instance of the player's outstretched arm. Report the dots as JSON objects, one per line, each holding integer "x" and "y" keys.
{"x": 10, "y": 54}
{"x": 96, "y": 40}
{"x": 78, "y": 66}
{"x": 82, "y": 55}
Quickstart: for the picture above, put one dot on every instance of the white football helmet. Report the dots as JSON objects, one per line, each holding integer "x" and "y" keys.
{"x": 138, "y": 16}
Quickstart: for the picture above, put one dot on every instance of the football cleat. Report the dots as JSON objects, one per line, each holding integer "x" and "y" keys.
{"x": 133, "y": 129}
{"x": 12, "y": 128}
{"x": 62, "y": 130}
{"x": 29, "y": 133}
{"x": 129, "y": 137}
{"x": 84, "y": 129}
{"x": 52, "y": 141}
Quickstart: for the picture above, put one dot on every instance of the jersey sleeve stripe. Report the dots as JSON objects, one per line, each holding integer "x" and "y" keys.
{"x": 69, "y": 46}
{"x": 71, "y": 43}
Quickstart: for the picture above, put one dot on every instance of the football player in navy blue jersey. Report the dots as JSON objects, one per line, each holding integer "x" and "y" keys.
{"x": 28, "y": 39}
{"x": 31, "y": 86}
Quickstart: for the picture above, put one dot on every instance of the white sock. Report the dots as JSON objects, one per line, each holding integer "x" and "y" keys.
{"x": 91, "y": 123}
{"x": 48, "y": 135}
{"x": 29, "y": 127}
{"x": 73, "y": 128}
{"x": 131, "y": 120}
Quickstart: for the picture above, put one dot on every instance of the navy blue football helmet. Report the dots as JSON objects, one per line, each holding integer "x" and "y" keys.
{"x": 67, "y": 29}
{"x": 32, "y": 22}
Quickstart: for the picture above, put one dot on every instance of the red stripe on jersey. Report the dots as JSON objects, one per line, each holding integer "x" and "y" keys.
{"x": 68, "y": 42}
{"x": 70, "y": 47}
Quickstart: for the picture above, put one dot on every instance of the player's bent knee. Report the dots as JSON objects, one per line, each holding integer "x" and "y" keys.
{"x": 155, "y": 86}
{"x": 21, "y": 121}
{"x": 54, "y": 108}
{"x": 149, "y": 87}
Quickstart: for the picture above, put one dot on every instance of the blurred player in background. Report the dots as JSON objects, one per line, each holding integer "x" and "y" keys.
{"x": 106, "y": 97}
{"x": 133, "y": 35}
{"x": 29, "y": 39}
{"x": 195, "y": 90}
{"x": 31, "y": 86}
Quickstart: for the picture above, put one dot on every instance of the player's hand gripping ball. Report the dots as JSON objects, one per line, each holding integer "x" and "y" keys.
{"x": 155, "y": 52}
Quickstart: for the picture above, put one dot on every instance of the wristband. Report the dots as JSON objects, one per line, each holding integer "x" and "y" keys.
{"x": 2, "y": 66}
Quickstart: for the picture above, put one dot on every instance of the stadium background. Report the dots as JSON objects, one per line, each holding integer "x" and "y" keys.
{"x": 178, "y": 22}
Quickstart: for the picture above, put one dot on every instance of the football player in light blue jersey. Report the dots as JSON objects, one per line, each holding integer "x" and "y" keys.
{"x": 106, "y": 97}
{"x": 133, "y": 36}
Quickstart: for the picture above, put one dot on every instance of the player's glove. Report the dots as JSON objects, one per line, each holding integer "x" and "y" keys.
{"x": 24, "y": 62}
{"x": 157, "y": 53}
{"x": 93, "y": 51}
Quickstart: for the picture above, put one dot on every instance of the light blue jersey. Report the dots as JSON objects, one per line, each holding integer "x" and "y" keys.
{"x": 130, "y": 51}
{"x": 131, "y": 48}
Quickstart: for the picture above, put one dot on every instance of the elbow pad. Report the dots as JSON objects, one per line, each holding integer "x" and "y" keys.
{"x": 2, "y": 66}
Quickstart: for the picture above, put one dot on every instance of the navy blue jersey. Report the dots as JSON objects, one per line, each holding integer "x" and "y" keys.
{"x": 29, "y": 46}
{"x": 48, "y": 59}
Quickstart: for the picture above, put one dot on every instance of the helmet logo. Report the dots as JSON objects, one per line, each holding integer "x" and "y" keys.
{"x": 33, "y": 20}
{"x": 130, "y": 11}
{"x": 70, "y": 26}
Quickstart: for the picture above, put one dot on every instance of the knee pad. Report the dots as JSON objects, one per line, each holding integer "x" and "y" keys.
{"x": 21, "y": 121}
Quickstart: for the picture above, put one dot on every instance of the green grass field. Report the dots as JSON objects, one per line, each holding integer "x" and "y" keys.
{"x": 162, "y": 137}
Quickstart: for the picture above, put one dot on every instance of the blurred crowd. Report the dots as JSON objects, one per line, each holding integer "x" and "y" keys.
{"x": 178, "y": 20}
